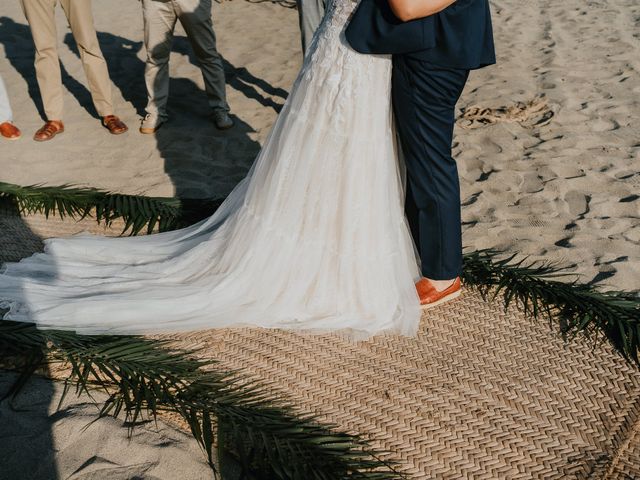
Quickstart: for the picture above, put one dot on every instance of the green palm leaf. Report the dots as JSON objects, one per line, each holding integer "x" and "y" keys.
{"x": 78, "y": 203}
{"x": 544, "y": 291}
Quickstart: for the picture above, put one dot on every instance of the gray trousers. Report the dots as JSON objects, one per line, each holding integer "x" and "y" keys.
{"x": 310, "y": 13}
{"x": 160, "y": 17}
{"x": 6, "y": 115}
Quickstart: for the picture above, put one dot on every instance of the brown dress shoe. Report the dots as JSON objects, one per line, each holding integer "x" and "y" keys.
{"x": 114, "y": 125}
{"x": 430, "y": 297}
{"x": 9, "y": 131}
{"x": 49, "y": 130}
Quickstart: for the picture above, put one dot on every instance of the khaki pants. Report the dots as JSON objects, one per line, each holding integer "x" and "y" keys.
{"x": 41, "y": 17}
{"x": 6, "y": 115}
{"x": 160, "y": 17}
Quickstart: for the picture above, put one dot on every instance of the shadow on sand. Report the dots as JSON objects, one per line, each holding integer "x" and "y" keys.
{"x": 201, "y": 161}
{"x": 27, "y": 448}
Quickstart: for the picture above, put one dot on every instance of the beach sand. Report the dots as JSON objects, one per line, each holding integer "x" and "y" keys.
{"x": 547, "y": 141}
{"x": 188, "y": 157}
{"x": 566, "y": 191}
{"x": 38, "y": 441}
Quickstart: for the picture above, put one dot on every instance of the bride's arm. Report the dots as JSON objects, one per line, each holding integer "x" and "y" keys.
{"x": 407, "y": 10}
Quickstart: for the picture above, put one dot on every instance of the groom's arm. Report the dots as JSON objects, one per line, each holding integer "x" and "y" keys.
{"x": 407, "y": 10}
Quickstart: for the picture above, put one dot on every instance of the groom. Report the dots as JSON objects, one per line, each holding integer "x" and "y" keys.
{"x": 435, "y": 43}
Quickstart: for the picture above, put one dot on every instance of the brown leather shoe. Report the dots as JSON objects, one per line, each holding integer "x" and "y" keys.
{"x": 9, "y": 131}
{"x": 430, "y": 297}
{"x": 49, "y": 130}
{"x": 114, "y": 125}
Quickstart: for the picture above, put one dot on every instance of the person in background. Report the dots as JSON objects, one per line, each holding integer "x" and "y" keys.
{"x": 7, "y": 128}
{"x": 310, "y": 13}
{"x": 41, "y": 17}
{"x": 160, "y": 17}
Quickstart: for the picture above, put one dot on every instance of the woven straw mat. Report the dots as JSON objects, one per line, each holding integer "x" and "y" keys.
{"x": 479, "y": 393}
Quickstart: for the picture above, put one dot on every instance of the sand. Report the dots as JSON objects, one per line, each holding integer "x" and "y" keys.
{"x": 40, "y": 442}
{"x": 565, "y": 191}
{"x": 189, "y": 157}
{"x": 547, "y": 141}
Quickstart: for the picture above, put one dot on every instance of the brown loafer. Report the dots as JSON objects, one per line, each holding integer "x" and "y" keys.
{"x": 9, "y": 131}
{"x": 49, "y": 130}
{"x": 114, "y": 125}
{"x": 430, "y": 297}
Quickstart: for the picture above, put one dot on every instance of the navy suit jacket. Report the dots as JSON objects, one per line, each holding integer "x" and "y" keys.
{"x": 460, "y": 36}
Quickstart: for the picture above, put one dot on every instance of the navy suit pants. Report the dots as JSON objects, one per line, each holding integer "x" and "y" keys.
{"x": 424, "y": 100}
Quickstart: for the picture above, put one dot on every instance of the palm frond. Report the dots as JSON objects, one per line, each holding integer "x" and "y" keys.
{"x": 143, "y": 377}
{"x": 544, "y": 291}
{"x": 137, "y": 212}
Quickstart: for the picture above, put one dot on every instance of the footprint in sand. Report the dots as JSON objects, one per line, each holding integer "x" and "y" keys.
{"x": 532, "y": 183}
{"x": 577, "y": 202}
{"x": 534, "y": 113}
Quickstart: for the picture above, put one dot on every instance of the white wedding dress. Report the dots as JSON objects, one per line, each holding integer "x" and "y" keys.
{"x": 313, "y": 239}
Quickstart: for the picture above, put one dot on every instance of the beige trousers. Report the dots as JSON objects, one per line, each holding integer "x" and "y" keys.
{"x": 41, "y": 17}
{"x": 160, "y": 17}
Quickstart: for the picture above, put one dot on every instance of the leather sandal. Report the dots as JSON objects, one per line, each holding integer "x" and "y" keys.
{"x": 9, "y": 131}
{"x": 114, "y": 125}
{"x": 49, "y": 130}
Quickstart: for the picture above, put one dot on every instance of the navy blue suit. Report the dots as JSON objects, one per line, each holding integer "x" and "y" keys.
{"x": 431, "y": 62}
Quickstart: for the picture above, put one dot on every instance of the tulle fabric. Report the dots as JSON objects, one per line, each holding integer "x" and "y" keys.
{"x": 313, "y": 239}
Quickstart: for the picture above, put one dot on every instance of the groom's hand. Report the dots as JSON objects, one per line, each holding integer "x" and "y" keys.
{"x": 407, "y": 10}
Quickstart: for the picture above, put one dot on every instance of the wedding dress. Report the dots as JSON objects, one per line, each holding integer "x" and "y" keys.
{"x": 314, "y": 238}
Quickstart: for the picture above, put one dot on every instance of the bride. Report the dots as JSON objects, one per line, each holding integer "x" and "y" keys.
{"x": 314, "y": 238}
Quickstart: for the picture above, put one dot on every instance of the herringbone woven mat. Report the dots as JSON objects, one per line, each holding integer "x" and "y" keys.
{"x": 479, "y": 394}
